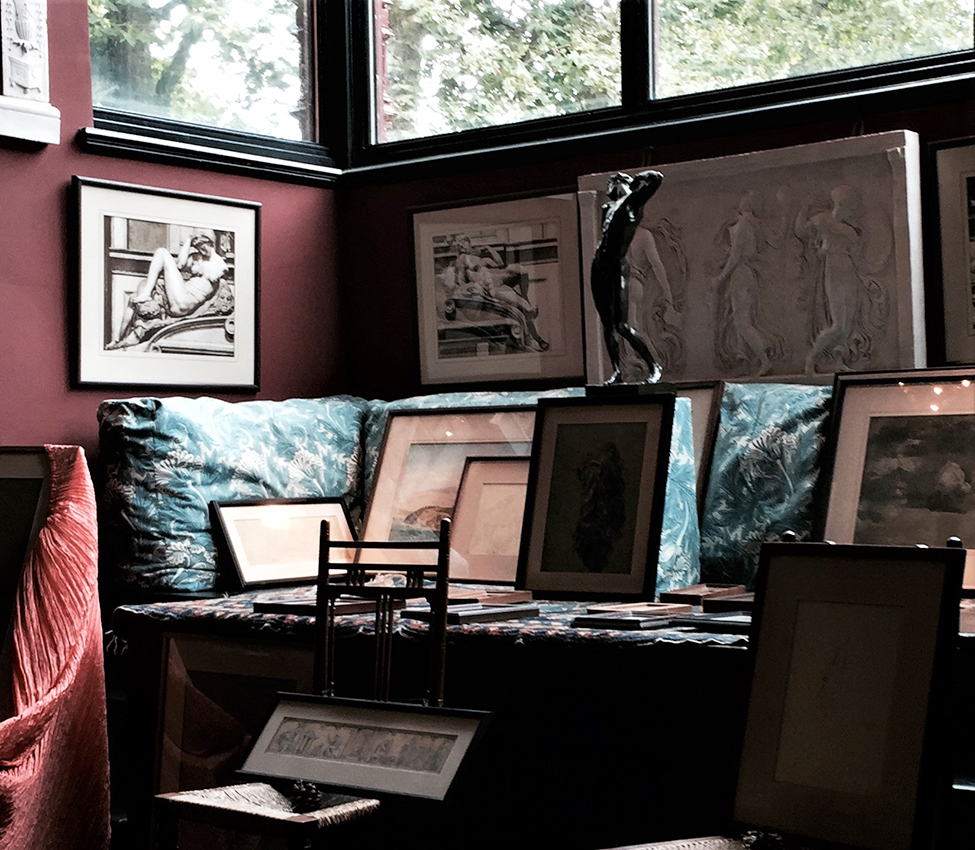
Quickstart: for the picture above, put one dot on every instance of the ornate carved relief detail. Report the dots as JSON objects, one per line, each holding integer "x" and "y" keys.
{"x": 23, "y": 39}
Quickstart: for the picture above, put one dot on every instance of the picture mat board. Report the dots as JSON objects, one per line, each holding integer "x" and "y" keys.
{"x": 446, "y": 736}
{"x": 554, "y": 287}
{"x": 420, "y": 466}
{"x": 955, "y": 168}
{"x": 485, "y": 534}
{"x": 572, "y": 437}
{"x": 276, "y": 541}
{"x": 690, "y": 216}
{"x": 99, "y": 201}
{"x": 216, "y": 693}
{"x": 844, "y": 667}
{"x": 912, "y": 496}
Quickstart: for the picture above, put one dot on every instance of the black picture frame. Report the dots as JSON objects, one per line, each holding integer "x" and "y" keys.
{"x": 435, "y": 745}
{"x": 881, "y": 423}
{"x": 276, "y": 541}
{"x": 585, "y": 452}
{"x": 25, "y": 486}
{"x": 876, "y": 627}
{"x": 126, "y": 331}
{"x": 950, "y": 213}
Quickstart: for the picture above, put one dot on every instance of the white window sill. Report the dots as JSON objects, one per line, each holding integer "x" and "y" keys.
{"x": 31, "y": 120}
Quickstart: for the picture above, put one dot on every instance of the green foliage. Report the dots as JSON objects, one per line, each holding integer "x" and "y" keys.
{"x": 459, "y": 64}
{"x": 230, "y": 63}
{"x": 714, "y": 44}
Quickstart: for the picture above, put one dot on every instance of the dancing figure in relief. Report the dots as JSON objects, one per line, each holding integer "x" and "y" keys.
{"x": 849, "y": 303}
{"x": 742, "y": 345}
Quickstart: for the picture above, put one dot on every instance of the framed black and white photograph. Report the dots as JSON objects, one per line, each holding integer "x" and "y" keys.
{"x": 421, "y": 462}
{"x": 485, "y": 532}
{"x": 378, "y": 748}
{"x": 852, "y": 652}
{"x": 898, "y": 467}
{"x": 168, "y": 288}
{"x": 498, "y": 290}
{"x": 276, "y": 541}
{"x": 595, "y": 497}
{"x": 955, "y": 172}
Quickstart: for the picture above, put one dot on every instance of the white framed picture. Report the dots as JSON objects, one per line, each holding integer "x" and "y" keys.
{"x": 498, "y": 291}
{"x": 168, "y": 288}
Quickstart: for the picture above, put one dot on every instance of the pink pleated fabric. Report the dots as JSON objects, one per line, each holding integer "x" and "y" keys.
{"x": 54, "y": 790}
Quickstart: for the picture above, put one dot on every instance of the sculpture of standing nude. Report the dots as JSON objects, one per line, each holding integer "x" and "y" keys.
{"x": 610, "y": 269}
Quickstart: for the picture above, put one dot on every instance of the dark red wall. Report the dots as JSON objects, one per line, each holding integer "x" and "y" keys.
{"x": 379, "y": 292}
{"x": 300, "y": 347}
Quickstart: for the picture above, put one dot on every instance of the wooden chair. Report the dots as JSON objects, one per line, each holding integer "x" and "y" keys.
{"x": 415, "y": 586}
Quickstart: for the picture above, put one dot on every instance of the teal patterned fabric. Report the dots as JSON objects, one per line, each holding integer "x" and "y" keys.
{"x": 766, "y": 461}
{"x": 165, "y": 459}
{"x": 678, "y": 564}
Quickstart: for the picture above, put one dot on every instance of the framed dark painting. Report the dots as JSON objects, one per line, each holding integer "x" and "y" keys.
{"x": 898, "y": 466}
{"x": 595, "y": 497}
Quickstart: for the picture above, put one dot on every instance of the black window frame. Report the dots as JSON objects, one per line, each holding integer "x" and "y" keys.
{"x": 345, "y": 94}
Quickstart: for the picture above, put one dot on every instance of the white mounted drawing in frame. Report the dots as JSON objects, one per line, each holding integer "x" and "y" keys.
{"x": 789, "y": 263}
{"x": 168, "y": 288}
{"x": 497, "y": 290}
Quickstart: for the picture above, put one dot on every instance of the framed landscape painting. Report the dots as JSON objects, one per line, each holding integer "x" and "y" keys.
{"x": 898, "y": 467}
{"x": 168, "y": 288}
{"x": 421, "y": 463}
{"x": 498, "y": 291}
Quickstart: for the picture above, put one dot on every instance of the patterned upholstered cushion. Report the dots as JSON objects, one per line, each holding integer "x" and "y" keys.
{"x": 165, "y": 459}
{"x": 766, "y": 460}
{"x": 678, "y": 563}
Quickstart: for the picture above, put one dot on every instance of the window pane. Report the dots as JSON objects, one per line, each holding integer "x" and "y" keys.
{"x": 449, "y": 65}
{"x": 706, "y": 45}
{"x": 234, "y": 64}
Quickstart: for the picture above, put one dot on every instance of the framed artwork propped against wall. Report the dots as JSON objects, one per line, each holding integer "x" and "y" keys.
{"x": 897, "y": 467}
{"x": 955, "y": 167}
{"x": 594, "y": 510}
{"x": 168, "y": 288}
{"x": 498, "y": 292}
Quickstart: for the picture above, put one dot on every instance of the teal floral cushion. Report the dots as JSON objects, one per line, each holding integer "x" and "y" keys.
{"x": 766, "y": 461}
{"x": 678, "y": 563}
{"x": 164, "y": 460}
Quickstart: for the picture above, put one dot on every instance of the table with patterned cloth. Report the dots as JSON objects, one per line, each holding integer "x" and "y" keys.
{"x": 595, "y": 732}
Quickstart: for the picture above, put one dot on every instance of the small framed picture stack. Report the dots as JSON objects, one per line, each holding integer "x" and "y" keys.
{"x": 421, "y": 463}
{"x": 595, "y": 500}
{"x": 898, "y": 467}
{"x": 486, "y": 530}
